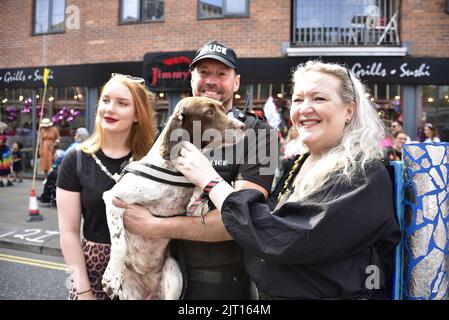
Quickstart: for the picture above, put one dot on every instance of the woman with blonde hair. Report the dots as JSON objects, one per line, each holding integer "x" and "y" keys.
{"x": 293, "y": 145}
{"x": 124, "y": 131}
{"x": 332, "y": 229}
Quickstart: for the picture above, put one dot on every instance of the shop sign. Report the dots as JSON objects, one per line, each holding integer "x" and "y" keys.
{"x": 23, "y": 77}
{"x": 377, "y": 69}
{"x": 401, "y": 70}
{"x": 67, "y": 76}
{"x": 168, "y": 71}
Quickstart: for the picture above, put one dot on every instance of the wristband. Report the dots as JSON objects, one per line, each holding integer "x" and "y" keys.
{"x": 203, "y": 198}
{"x": 208, "y": 188}
{"x": 83, "y": 292}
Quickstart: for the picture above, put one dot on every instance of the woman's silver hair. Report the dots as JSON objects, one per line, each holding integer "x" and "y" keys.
{"x": 361, "y": 139}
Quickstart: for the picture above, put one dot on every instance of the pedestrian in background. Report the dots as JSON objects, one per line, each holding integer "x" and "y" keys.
{"x": 48, "y": 141}
{"x": 395, "y": 127}
{"x": 124, "y": 131}
{"x": 293, "y": 146}
{"x": 48, "y": 195}
{"x": 394, "y": 152}
{"x": 3, "y": 127}
{"x": 431, "y": 133}
{"x": 334, "y": 219}
{"x": 5, "y": 162}
{"x": 17, "y": 161}
{"x": 81, "y": 134}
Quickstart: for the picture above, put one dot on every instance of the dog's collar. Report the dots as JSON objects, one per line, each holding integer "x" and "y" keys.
{"x": 162, "y": 175}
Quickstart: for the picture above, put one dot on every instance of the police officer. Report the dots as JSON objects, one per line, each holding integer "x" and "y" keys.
{"x": 211, "y": 261}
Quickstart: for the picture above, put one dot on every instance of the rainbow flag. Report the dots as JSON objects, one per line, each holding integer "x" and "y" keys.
{"x": 5, "y": 158}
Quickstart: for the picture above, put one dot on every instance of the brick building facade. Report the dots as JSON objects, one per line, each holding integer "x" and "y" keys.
{"x": 102, "y": 38}
{"x": 425, "y": 24}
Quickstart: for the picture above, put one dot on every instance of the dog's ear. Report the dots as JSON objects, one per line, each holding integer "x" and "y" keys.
{"x": 217, "y": 104}
{"x": 176, "y": 121}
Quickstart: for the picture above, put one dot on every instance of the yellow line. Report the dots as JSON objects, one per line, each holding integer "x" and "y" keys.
{"x": 34, "y": 262}
{"x": 31, "y": 260}
{"x": 37, "y": 264}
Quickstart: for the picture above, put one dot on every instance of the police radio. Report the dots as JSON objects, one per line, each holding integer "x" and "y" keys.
{"x": 237, "y": 114}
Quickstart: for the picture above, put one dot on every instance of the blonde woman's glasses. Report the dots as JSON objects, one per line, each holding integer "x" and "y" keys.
{"x": 135, "y": 79}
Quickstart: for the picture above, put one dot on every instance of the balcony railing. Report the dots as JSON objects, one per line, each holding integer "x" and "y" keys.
{"x": 346, "y": 23}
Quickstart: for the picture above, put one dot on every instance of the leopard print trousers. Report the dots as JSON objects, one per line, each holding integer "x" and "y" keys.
{"x": 97, "y": 257}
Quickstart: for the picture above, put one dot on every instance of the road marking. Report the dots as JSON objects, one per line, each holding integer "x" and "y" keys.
{"x": 27, "y": 233}
{"x": 34, "y": 262}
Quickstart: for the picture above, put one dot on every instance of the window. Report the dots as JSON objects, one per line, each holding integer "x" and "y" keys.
{"x": 49, "y": 16}
{"x": 345, "y": 22}
{"x": 435, "y": 108}
{"x": 141, "y": 10}
{"x": 223, "y": 8}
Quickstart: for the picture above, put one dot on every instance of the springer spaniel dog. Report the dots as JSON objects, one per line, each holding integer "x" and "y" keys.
{"x": 142, "y": 267}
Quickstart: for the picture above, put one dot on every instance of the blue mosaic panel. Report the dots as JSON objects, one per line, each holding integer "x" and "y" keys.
{"x": 426, "y": 221}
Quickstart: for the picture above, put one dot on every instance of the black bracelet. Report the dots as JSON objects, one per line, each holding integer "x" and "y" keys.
{"x": 83, "y": 292}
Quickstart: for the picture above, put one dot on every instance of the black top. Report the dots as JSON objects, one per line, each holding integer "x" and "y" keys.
{"x": 17, "y": 161}
{"x": 245, "y": 160}
{"x": 235, "y": 163}
{"x": 321, "y": 247}
{"x": 91, "y": 182}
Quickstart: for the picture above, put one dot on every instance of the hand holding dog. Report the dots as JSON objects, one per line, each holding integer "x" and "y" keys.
{"x": 194, "y": 165}
{"x": 138, "y": 220}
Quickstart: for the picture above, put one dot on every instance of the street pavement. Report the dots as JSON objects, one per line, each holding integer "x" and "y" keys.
{"x": 18, "y": 234}
{"x": 32, "y": 276}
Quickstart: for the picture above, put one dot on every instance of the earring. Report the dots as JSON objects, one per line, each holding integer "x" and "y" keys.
{"x": 348, "y": 120}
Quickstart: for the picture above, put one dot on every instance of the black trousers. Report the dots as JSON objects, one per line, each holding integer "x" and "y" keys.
{"x": 49, "y": 191}
{"x": 230, "y": 284}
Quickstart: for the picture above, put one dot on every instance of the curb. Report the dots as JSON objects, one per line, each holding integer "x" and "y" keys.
{"x": 34, "y": 248}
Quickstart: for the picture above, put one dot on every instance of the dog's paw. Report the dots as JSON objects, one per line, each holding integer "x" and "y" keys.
{"x": 112, "y": 283}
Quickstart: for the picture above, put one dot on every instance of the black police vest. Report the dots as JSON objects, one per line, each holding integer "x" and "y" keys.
{"x": 219, "y": 254}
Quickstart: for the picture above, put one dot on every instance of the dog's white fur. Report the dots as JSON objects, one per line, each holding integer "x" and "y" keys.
{"x": 141, "y": 267}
